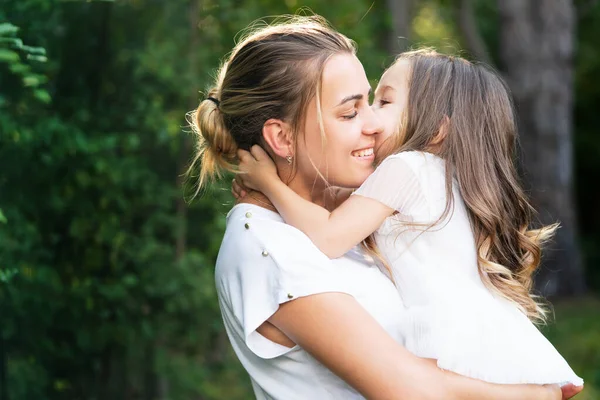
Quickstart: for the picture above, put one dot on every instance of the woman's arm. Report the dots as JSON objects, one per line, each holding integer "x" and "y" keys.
{"x": 334, "y": 233}
{"x": 339, "y": 333}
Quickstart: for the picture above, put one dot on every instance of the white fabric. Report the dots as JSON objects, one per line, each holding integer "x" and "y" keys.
{"x": 451, "y": 315}
{"x": 250, "y": 287}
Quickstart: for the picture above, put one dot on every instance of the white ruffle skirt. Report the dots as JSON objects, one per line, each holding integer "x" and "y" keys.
{"x": 487, "y": 339}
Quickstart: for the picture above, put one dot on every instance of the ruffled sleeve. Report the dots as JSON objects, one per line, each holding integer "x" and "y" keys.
{"x": 396, "y": 184}
{"x": 264, "y": 263}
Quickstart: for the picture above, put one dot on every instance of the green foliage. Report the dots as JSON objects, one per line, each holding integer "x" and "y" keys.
{"x": 587, "y": 145}
{"x": 576, "y": 334}
{"x": 97, "y": 301}
{"x": 15, "y": 56}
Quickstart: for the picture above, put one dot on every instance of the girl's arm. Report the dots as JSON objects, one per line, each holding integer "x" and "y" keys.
{"x": 339, "y": 333}
{"x": 334, "y": 233}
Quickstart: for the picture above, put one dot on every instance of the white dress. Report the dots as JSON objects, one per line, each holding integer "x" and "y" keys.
{"x": 263, "y": 263}
{"x": 450, "y": 315}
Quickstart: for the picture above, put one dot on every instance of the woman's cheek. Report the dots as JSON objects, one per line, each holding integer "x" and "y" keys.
{"x": 351, "y": 132}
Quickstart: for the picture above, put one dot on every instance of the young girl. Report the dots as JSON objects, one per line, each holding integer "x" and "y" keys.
{"x": 448, "y": 216}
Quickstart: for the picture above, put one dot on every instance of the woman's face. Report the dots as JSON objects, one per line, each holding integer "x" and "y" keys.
{"x": 345, "y": 156}
{"x": 391, "y": 97}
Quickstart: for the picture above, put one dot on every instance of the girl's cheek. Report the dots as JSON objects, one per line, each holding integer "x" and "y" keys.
{"x": 389, "y": 122}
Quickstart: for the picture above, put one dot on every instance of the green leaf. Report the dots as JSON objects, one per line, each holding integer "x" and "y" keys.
{"x": 14, "y": 42}
{"x": 19, "y": 68}
{"x": 8, "y": 56}
{"x": 34, "y": 80}
{"x": 34, "y": 50}
{"x": 42, "y": 95}
{"x": 7, "y": 275}
{"x": 37, "y": 58}
{"x": 2, "y": 217}
{"x": 7, "y": 28}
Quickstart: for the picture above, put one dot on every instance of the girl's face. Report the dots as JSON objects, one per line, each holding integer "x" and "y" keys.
{"x": 391, "y": 97}
{"x": 345, "y": 156}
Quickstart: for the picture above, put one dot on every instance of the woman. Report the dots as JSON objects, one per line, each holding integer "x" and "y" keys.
{"x": 304, "y": 326}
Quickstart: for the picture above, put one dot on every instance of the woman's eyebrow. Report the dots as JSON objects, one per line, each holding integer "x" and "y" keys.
{"x": 354, "y": 97}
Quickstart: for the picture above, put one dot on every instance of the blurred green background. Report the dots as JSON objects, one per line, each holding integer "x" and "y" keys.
{"x": 106, "y": 271}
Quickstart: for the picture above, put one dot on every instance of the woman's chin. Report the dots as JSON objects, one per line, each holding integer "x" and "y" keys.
{"x": 356, "y": 179}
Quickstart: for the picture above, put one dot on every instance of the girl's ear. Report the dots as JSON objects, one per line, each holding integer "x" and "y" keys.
{"x": 443, "y": 132}
{"x": 276, "y": 134}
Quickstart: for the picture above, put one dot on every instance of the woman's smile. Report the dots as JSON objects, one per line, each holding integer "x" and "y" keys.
{"x": 365, "y": 154}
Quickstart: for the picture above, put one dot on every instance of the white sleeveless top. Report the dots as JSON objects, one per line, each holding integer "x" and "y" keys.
{"x": 450, "y": 315}
{"x": 264, "y": 262}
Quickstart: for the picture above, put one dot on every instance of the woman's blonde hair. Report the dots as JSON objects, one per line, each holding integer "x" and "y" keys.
{"x": 273, "y": 72}
{"x": 473, "y": 107}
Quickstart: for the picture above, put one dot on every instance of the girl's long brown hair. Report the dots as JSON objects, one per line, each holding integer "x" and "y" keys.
{"x": 473, "y": 105}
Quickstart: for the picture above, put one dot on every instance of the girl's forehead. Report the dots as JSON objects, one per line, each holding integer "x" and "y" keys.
{"x": 395, "y": 77}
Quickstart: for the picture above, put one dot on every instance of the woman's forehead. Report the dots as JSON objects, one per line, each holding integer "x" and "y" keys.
{"x": 343, "y": 77}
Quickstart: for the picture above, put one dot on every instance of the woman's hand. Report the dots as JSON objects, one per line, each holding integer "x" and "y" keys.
{"x": 570, "y": 390}
{"x": 257, "y": 169}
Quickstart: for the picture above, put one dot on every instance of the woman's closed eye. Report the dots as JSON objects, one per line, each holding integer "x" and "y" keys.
{"x": 382, "y": 102}
{"x": 350, "y": 116}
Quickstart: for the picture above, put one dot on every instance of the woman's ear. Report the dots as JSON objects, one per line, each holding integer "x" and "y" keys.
{"x": 276, "y": 134}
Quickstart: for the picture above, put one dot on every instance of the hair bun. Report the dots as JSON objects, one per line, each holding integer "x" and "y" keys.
{"x": 216, "y": 147}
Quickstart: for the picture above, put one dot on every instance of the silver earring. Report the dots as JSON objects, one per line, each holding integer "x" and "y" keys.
{"x": 289, "y": 159}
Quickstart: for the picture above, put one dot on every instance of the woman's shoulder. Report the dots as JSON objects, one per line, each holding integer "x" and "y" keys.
{"x": 249, "y": 226}
{"x": 258, "y": 239}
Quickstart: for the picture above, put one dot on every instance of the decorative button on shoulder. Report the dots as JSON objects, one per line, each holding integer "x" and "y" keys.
{"x": 247, "y": 225}
{"x": 290, "y": 296}
{"x": 248, "y": 214}
{"x": 265, "y": 253}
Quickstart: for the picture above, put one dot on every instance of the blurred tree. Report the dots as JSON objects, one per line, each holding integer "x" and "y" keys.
{"x": 401, "y": 12}
{"x": 537, "y": 49}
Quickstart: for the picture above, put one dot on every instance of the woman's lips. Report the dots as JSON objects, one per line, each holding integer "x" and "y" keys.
{"x": 363, "y": 153}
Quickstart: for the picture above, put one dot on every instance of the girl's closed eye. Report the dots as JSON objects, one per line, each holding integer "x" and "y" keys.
{"x": 383, "y": 102}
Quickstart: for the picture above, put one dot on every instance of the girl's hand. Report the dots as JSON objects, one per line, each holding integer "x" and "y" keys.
{"x": 256, "y": 168}
{"x": 238, "y": 189}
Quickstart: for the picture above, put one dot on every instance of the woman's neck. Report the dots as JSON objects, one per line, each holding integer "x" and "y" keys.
{"x": 315, "y": 193}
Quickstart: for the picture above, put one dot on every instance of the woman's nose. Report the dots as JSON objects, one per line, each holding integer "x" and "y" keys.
{"x": 373, "y": 124}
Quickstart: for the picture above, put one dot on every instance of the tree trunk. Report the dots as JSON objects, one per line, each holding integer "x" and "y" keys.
{"x": 471, "y": 35}
{"x": 3, "y": 367}
{"x": 537, "y": 50}
{"x": 401, "y": 12}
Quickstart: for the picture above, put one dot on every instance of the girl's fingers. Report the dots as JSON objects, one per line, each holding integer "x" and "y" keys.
{"x": 236, "y": 189}
{"x": 244, "y": 156}
{"x": 258, "y": 153}
{"x": 239, "y": 190}
{"x": 238, "y": 180}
